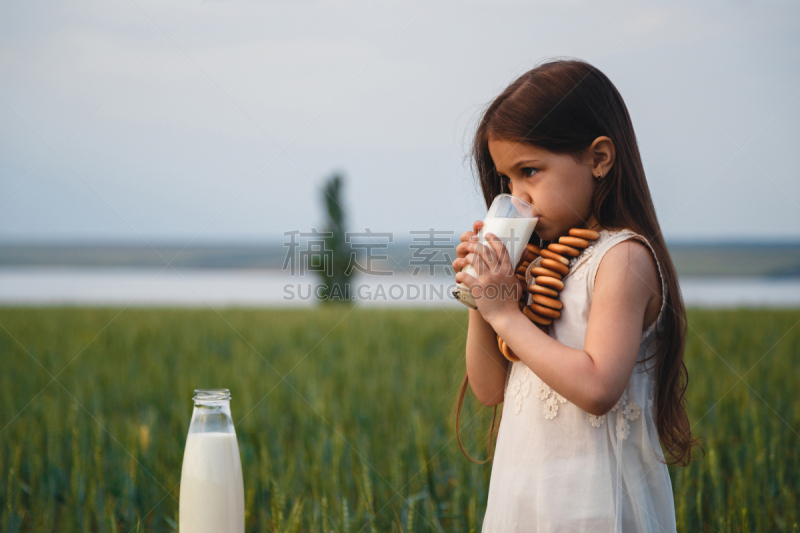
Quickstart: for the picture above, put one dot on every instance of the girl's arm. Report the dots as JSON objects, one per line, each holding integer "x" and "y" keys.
{"x": 486, "y": 365}
{"x": 595, "y": 377}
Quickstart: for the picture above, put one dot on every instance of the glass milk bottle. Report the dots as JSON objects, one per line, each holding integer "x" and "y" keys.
{"x": 512, "y": 220}
{"x": 212, "y": 490}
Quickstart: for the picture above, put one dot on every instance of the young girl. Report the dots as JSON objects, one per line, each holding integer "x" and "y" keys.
{"x": 578, "y": 446}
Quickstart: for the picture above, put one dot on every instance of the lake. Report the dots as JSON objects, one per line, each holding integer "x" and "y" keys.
{"x": 269, "y": 288}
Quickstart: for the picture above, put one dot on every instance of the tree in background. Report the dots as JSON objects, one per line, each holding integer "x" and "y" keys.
{"x": 337, "y": 283}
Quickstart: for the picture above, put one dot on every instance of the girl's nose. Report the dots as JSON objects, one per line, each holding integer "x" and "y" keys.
{"x": 525, "y": 197}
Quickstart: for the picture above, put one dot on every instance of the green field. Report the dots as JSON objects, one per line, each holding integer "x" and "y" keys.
{"x": 358, "y": 437}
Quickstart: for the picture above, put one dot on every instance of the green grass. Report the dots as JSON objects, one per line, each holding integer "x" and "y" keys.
{"x": 359, "y": 435}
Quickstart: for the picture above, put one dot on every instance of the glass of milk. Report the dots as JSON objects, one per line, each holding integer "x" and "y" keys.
{"x": 512, "y": 220}
{"x": 212, "y": 490}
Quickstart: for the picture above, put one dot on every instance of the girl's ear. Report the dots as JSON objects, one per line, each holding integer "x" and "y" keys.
{"x": 602, "y": 152}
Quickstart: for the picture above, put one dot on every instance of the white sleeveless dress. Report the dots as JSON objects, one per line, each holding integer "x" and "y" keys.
{"x": 557, "y": 468}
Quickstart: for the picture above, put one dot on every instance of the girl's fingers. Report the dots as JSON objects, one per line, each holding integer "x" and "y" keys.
{"x": 461, "y": 262}
{"x": 488, "y": 252}
{"x": 466, "y": 279}
{"x": 478, "y": 252}
{"x": 466, "y": 235}
{"x": 462, "y": 249}
{"x": 477, "y": 262}
{"x": 499, "y": 249}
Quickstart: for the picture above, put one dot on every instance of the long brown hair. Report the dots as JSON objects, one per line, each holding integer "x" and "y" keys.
{"x": 562, "y": 106}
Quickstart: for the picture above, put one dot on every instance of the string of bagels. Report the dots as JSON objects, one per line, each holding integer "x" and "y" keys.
{"x": 553, "y": 264}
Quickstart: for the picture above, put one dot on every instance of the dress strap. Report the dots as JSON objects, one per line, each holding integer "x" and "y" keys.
{"x": 615, "y": 238}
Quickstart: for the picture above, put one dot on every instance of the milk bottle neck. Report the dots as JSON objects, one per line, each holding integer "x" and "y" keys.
{"x": 212, "y": 412}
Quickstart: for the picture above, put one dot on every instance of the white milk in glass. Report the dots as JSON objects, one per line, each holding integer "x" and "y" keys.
{"x": 513, "y": 221}
{"x": 513, "y": 232}
{"x": 212, "y": 489}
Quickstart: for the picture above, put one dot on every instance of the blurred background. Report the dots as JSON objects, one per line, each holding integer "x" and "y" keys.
{"x": 170, "y": 171}
{"x": 139, "y": 133}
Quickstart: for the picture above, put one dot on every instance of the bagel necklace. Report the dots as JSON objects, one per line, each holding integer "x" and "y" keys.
{"x": 551, "y": 265}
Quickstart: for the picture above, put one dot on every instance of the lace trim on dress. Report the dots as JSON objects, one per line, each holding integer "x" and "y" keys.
{"x": 629, "y": 411}
{"x": 550, "y": 398}
{"x": 520, "y": 387}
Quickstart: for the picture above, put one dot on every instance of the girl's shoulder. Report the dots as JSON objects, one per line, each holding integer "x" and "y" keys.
{"x": 597, "y": 248}
{"x": 608, "y": 239}
{"x": 612, "y": 237}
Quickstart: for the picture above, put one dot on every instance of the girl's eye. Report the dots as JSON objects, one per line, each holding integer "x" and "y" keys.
{"x": 525, "y": 173}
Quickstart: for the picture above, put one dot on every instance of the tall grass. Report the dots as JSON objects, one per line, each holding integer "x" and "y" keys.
{"x": 358, "y": 436}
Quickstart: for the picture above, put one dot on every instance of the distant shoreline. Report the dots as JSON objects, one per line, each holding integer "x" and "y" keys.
{"x": 187, "y": 287}
{"x": 695, "y": 259}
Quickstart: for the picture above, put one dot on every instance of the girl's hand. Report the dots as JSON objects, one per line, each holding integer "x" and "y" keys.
{"x": 462, "y": 250}
{"x": 496, "y": 290}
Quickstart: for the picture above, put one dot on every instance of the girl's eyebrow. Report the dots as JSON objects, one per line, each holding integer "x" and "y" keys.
{"x": 524, "y": 162}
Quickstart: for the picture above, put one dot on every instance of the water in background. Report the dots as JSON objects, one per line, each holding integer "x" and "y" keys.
{"x": 34, "y": 285}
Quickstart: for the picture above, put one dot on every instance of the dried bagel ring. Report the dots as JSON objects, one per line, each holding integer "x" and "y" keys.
{"x": 521, "y": 269}
{"x": 527, "y": 256}
{"x": 545, "y": 311}
{"x": 575, "y": 242}
{"x": 553, "y": 283}
{"x": 540, "y": 271}
{"x": 563, "y": 249}
{"x": 505, "y": 350}
{"x": 511, "y": 356}
{"x": 532, "y": 248}
{"x": 588, "y": 234}
{"x": 536, "y": 318}
{"x": 548, "y": 272}
{"x": 501, "y": 346}
{"x": 521, "y": 277}
{"x": 552, "y": 303}
{"x": 556, "y": 266}
{"x": 547, "y": 254}
{"x": 539, "y": 289}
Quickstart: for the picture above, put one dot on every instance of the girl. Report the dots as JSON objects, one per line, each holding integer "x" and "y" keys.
{"x": 578, "y": 447}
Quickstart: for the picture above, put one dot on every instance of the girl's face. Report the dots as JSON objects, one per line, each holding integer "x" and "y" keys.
{"x": 560, "y": 187}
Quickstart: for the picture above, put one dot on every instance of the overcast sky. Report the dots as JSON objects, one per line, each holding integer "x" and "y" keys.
{"x": 173, "y": 121}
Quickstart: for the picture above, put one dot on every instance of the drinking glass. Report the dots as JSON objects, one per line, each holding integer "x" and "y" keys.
{"x": 512, "y": 220}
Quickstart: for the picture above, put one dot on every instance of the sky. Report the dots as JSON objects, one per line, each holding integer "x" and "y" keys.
{"x": 208, "y": 121}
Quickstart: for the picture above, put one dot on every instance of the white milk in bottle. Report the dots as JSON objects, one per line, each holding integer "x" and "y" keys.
{"x": 212, "y": 489}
